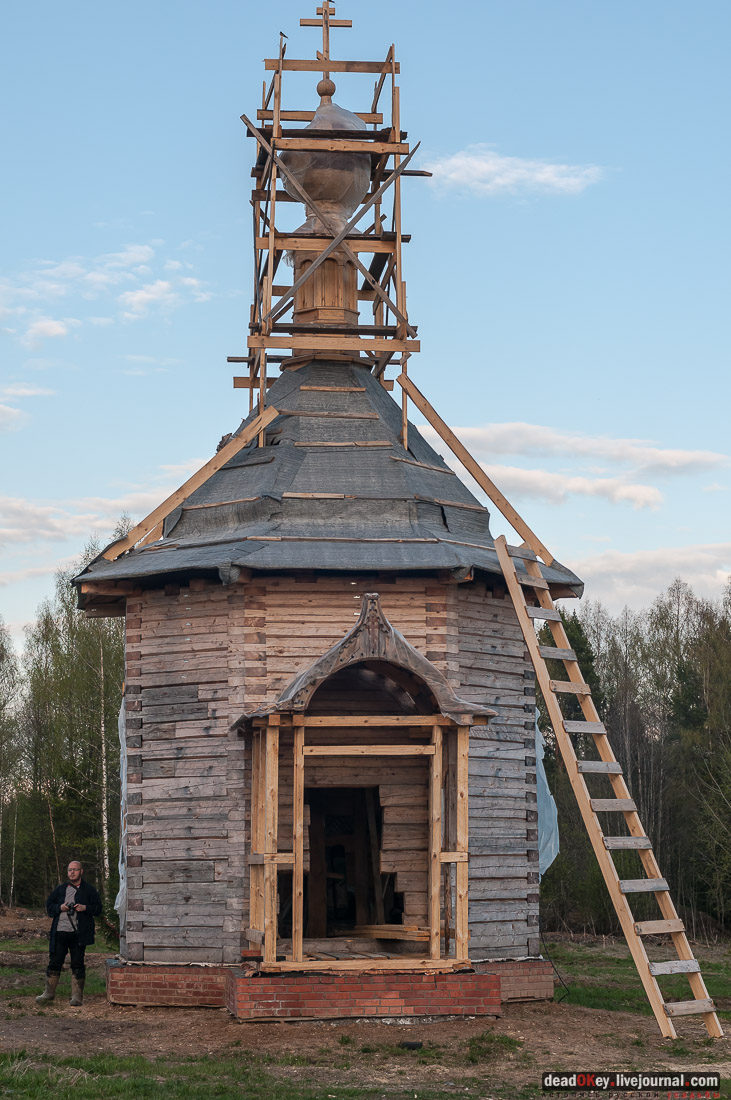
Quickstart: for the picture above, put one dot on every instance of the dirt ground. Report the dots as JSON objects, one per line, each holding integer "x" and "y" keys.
{"x": 348, "y": 1053}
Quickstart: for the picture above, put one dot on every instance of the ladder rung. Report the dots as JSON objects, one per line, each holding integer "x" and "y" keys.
{"x": 643, "y": 885}
{"x": 675, "y": 966}
{"x": 553, "y": 653}
{"x": 655, "y": 927}
{"x": 530, "y": 581}
{"x": 544, "y": 613}
{"x": 689, "y": 1008}
{"x": 584, "y": 727}
{"x": 522, "y": 552}
{"x": 612, "y": 843}
{"x": 569, "y": 685}
{"x": 600, "y": 767}
{"x": 611, "y": 804}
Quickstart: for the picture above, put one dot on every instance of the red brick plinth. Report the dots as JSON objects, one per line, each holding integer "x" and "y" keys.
{"x": 521, "y": 979}
{"x": 362, "y": 993}
{"x": 334, "y": 994}
{"x": 188, "y": 986}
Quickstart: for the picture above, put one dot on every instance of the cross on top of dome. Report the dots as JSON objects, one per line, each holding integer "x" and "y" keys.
{"x": 326, "y": 11}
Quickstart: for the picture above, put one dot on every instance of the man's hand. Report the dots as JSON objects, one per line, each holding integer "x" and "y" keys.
{"x": 64, "y": 908}
{"x": 80, "y": 908}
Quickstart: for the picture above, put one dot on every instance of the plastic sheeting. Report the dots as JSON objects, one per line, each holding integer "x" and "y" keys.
{"x": 337, "y": 182}
{"x": 120, "y": 902}
{"x": 548, "y": 841}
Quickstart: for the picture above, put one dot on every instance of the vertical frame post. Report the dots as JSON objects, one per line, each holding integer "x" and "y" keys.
{"x": 256, "y": 872}
{"x": 271, "y": 822}
{"x": 435, "y": 842}
{"x": 298, "y": 816}
{"x": 462, "y": 913}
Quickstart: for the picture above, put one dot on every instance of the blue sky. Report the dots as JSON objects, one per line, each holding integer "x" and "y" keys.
{"x": 568, "y": 269}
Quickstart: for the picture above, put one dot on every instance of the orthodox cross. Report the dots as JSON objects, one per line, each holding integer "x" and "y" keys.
{"x": 326, "y": 11}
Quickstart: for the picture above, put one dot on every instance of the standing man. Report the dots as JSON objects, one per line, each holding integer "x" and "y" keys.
{"x": 73, "y": 906}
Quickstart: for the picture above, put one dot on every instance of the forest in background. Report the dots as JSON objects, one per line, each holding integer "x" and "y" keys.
{"x": 661, "y": 679}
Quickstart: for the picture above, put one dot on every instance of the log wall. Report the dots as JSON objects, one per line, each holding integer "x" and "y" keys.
{"x": 198, "y": 656}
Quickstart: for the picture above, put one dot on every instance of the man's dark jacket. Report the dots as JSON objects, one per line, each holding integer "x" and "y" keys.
{"x": 85, "y": 895}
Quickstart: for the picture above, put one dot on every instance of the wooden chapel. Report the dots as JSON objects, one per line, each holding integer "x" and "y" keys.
{"x": 329, "y": 704}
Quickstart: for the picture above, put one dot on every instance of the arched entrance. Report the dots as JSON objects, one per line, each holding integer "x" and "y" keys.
{"x": 378, "y": 744}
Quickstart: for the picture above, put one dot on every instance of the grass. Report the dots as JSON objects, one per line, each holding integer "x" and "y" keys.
{"x": 599, "y": 978}
{"x": 33, "y": 1076}
{"x": 40, "y": 947}
{"x": 490, "y": 1046}
{"x": 33, "y": 985}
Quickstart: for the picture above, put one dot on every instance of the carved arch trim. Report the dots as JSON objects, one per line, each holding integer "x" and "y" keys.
{"x": 372, "y": 638}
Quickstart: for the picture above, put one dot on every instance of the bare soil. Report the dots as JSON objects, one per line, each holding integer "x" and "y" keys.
{"x": 344, "y": 1052}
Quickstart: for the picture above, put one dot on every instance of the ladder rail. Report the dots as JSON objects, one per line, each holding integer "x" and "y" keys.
{"x": 516, "y": 588}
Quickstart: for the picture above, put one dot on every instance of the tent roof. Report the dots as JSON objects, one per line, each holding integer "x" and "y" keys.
{"x": 333, "y": 489}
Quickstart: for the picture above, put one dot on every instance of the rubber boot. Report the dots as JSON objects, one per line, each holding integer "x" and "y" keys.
{"x": 77, "y": 992}
{"x": 49, "y": 992}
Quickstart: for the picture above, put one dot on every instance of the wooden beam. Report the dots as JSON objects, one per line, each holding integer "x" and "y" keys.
{"x": 473, "y": 467}
{"x": 211, "y": 467}
{"x": 310, "y": 66}
{"x": 271, "y": 822}
{"x": 298, "y": 815}
{"x": 374, "y": 853}
{"x": 340, "y": 145}
{"x": 284, "y": 242}
{"x": 346, "y": 721}
{"x": 390, "y": 932}
{"x": 435, "y": 843}
{"x": 406, "y": 963}
{"x": 319, "y": 342}
{"x": 369, "y": 750}
{"x": 462, "y": 910}
{"x": 373, "y": 118}
{"x": 243, "y": 383}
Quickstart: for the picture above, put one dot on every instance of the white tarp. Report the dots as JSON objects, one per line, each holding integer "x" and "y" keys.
{"x": 120, "y": 902}
{"x": 548, "y": 844}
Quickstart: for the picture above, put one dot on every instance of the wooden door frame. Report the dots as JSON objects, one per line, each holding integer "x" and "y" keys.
{"x": 448, "y": 788}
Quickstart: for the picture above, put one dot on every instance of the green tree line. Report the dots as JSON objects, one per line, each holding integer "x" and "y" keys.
{"x": 59, "y": 748}
{"x": 661, "y": 679}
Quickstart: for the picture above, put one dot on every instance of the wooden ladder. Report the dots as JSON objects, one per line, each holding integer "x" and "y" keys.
{"x": 529, "y": 580}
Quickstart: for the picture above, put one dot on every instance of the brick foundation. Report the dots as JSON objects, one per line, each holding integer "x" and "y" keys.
{"x": 322, "y": 995}
{"x": 521, "y": 979}
{"x": 187, "y": 986}
{"x": 363, "y": 993}
{"x": 477, "y": 992}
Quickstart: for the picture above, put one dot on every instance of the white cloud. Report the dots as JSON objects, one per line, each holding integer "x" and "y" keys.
{"x": 25, "y": 389}
{"x": 33, "y": 295}
{"x": 23, "y": 521}
{"x": 556, "y": 487}
{"x": 9, "y": 418}
{"x": 16, "y": 575}
{"x": 159, "y": 293}
{"x": 538, "y": 439}
{"x": 131, "y": 256}
{"x": 634, "y": 579}
{"x": 479, "y": 169}
{"x": 46, "y": 328}
{"x": 196, "y": 286}
{"x": 31, "y": 521}
{"x": 715, "y": 487}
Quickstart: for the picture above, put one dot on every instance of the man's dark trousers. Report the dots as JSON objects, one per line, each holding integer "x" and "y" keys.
{"x": 67, "y": 942}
